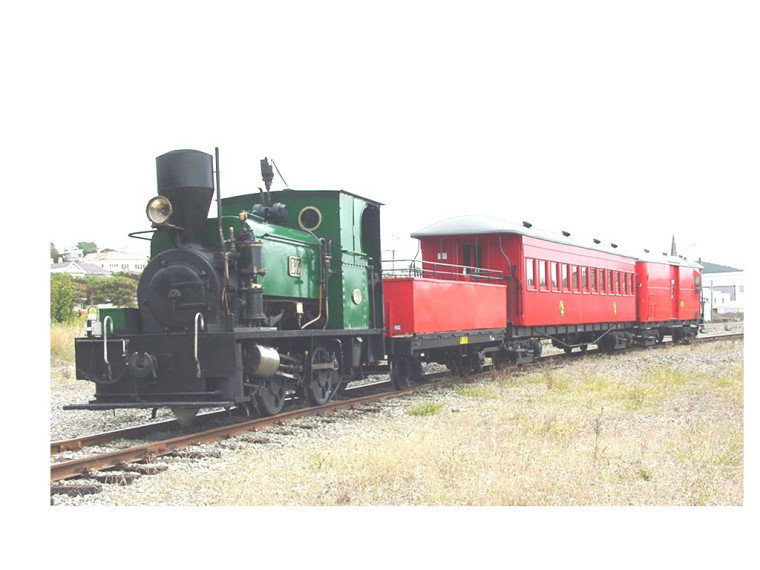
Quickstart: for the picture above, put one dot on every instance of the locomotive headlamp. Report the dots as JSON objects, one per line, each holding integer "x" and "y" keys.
{"x": 159, "y": 210}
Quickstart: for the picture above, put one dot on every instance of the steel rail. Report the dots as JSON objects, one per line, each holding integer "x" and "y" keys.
{"x": 141, "y": 430}
{"x": 148, "y": 452}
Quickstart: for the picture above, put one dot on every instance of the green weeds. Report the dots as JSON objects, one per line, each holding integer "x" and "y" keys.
{"x": 427, "y": 409}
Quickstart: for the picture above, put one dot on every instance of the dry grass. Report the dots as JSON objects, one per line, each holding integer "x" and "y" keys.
{"x": 598, "y": 432}
{"x": 62, "y": 341}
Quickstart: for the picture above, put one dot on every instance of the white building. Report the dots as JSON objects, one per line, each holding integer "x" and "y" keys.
{"x": 79, "y": 269}
{"x": 72, "y": 254}
{"x": 115, "y": 261}
{"x": 723, "y": 291}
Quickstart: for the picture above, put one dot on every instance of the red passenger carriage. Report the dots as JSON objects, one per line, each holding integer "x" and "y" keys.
{"x": 489, "y": 287}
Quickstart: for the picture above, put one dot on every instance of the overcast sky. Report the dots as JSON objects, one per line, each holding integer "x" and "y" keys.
{"x": 629, "y": 124}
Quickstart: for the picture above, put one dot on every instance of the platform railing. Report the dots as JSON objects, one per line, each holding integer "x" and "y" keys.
{"x": 435, "y": 270}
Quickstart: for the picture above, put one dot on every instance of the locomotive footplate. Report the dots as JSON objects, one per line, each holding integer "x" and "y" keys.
{"x": 174, "y": 369}
{"x": 95, "y": 405}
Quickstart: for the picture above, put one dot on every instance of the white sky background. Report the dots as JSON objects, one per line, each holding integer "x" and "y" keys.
{"x": 629, "y": 122}
{"x": 626, "y": 123}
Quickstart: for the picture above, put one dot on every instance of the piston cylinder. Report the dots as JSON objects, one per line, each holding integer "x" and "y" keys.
{"x": 263, "y": 361}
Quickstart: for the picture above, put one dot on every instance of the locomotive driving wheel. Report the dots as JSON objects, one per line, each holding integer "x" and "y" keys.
{"x": 270, "y": 397}
{"x": 323, "y": 377}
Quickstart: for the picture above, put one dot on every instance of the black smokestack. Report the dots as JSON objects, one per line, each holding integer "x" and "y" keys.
{"x": 185, "y": 177}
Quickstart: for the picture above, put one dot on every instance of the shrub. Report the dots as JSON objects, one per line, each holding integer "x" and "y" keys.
{"x": 120, "y": 291}
{"x": 62, "y": 298}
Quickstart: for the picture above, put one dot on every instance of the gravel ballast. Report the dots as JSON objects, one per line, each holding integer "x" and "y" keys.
{"x": 287, "y": 448}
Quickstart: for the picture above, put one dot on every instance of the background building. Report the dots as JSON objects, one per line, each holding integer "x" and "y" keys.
{"x": 115, "y": 261}
{"x": 723, "y": 291}
{"x": 79, "y": 269}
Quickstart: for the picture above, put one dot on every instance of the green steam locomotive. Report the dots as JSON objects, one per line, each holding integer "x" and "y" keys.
{"x": 277, "y": 296}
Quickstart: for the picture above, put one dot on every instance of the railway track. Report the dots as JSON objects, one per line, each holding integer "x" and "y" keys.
{"x": 147, "y": 453}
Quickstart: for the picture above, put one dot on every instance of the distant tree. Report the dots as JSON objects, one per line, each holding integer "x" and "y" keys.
{"x": 119, "y": 291}
{"x": 63, "y": 297}
{"x": 86, "y": 287}
{"x": 54, "y": 254}
{"x": 82, "y": 290}
{"x": 87, "y": 247}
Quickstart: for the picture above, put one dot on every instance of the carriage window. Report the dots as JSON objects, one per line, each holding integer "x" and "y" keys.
{"x": 553, "y": 274}
{"x": 603, "y": 280}
{"x": 542, "y": 274}
{"x": 575, "y": 277}
{"x": 565, "y": 278}
{"x": 593, "y": 280}
{"x": 530, "y": 278}
{"x": 584, "y": 278}
{"x": 630, "y": 284}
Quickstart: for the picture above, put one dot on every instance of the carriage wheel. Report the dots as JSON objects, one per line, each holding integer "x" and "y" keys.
{"x": 499, "y": 362}
{"x": 455, "y": 366}
{"x": 405, "y": 371}
{"x": 473, "y": 363}
{"x": 319, "y": 385}
{"x": 270, "y": 397}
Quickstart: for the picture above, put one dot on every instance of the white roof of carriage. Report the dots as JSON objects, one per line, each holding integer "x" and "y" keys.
{"x": 479, "y": 225}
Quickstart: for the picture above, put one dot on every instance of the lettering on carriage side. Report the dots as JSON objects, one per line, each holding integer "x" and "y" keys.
{"x": 614, "y": 308}
{"x": 294, "y": 266}
{"x": 561, "y": 308}
{"x": 464, "y": 340}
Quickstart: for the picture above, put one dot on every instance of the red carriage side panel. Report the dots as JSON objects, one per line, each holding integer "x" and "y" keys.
{"x": 422, "y": 305}
{"x": 490, "y": 252}
{"x": 564, "y": 284}
{"x": 690, "y": 293}
{"x": 668, "y": 291}
{"x": 657, "y": 298}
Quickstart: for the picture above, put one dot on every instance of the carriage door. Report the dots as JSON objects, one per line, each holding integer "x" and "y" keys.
{"x": 471, "y": 257}
{"x": 674, "y": 291}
